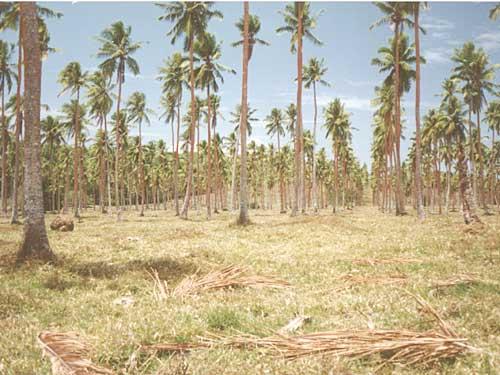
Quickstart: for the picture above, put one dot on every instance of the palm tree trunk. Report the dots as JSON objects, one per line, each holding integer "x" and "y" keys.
{"x": 314, "y": 179}
{"x": 5, "y": 135}
{"x": 189, "y": 176}
{"x": 209, "y": 160}
{"x": 176, "y": 160}
{"x": 298, "y": 128}
{"x": 481, "y": 164}
{"x": 471, "y": 157}
{"x": 336, "y": 174}
{"x": 76, "y": 163}
{"x": 141, "y": 171}
{"x": 14, "y": 219}
{"x": 234, "y": 191}
{"x": 418, "y": 152}
{"x": 243, "y": 215}
{"x": 108, "y": 165}
{"x": 466, "y": 196}
{"x": 118, "y": 145}
{"x": 35, "y": 243}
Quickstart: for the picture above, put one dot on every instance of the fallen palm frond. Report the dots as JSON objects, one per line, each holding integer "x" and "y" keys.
{"x": 174, "y": 347}
{"x": 456, "y": 280}
{"x": 68, "y": 354}
{"x": 376, "y": 261}
{"x": 231, "y": 276}
{"x": 394, "y": 346}
{"x": 388, "y": 279}
{"x": 160, "y": 289}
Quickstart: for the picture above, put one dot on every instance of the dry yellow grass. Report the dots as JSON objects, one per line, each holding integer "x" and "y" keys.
{"x": 102, "y": 261}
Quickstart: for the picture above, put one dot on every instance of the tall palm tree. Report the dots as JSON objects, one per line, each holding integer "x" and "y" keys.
{"x": 10, "y": 19}
{"x": 253, "y": 29}
{"x": 337, "y": 127}
{"x": 117, "y": 49}
{"x": 174, "y": 77}
{"x": 313, "y": 74}
{"x": 243, "y": 218}
{"x": 73, "y": 79}
{"x": 275, "y": 126}
{"x": 100, "y": 101}
{"x": 35, "y": 243}
{"x": 139, "y": 113}
{"x": 208, "y": 72}
{"x": 396, "y": 15}
{"x": 190, "y": 19}
{"x": 7, "y": 76}
{"x": 415, "y": 10}
{"x": 299, "y": 22}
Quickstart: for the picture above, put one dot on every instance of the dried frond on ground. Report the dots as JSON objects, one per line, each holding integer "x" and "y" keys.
{"x": 230, "y": 276}
{"x": 377, "y": 261}
{"x": 68, "y": 354}
{"x": 160, "y": 289}
{"x": 386, "y": 279}
{"x": 394, "y": 346}
{"x": 456, "y": 280}
{"x": 173, "y": 347}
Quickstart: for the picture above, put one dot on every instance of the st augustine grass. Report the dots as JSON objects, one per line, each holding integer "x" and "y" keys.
{"x": 103, "y": 261}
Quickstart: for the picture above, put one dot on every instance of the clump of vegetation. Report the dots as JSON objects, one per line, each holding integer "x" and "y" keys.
{"x": 223, "y": 318}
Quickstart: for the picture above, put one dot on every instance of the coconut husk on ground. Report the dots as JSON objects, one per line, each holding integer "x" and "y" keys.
{"x": 62, "y": 224}
{"x": 230, "y": 276}
{"x": 68, "y": 354}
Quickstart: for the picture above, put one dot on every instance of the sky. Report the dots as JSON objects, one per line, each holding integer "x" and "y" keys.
{"x": 348, "y": 47}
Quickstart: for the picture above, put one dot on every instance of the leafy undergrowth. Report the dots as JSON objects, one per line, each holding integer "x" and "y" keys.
{"x": 100, "y": 287}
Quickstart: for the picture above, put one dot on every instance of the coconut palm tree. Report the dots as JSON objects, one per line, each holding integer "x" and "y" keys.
{"x": 100, "y": 102}
{"x": 7, "y": 77}
{"x": 243, "y": 218}
{"x": 299, "y": 22}
{"x": 313, "y": 73}
{"x": 35, "y": 243}
{"x": 117, "y": 49}
{"x": 139, "y": 113}
{"x": 209, "y": 71}
{"x": 396, "y": 15}
{"x": 174, "y": 78}
{"x": 73, "y": 79}
{"x": 253, "y": 29}
{"x": 190, "y": 19}
{"x": 337, "y": 128}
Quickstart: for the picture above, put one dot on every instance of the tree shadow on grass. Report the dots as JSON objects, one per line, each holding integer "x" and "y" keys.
{"x": 168, "y": 268}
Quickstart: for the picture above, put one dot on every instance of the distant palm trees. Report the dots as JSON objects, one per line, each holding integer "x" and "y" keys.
{"x": 190, "y": 19}
{"x": 73, "y": 79}
{"x": 314, "y": 72}
{"x": 274, "y": 126}
{"x": 117, "y": 49}
{"x": 299, "y": 22}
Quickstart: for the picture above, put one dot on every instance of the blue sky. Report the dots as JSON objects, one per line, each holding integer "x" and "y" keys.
{"x": 348, "y": 48}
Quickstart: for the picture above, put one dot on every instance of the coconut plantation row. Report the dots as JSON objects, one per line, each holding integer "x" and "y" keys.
{"x": 206, "y": 251}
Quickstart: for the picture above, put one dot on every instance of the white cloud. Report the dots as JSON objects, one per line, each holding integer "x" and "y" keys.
{"x": 436, "y": 24}
{"x": 359, "y": 83}
{"x": 490, "y": 41}
{"x": 437, "y": 55}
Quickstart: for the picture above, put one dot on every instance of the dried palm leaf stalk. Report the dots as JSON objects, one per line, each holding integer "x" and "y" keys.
{"x": 388, "y": 279}
{"x": 376, "y": 261}
{"x": 393, "y": 346}
{"x": 456, "y": 280}
{"x": 160, "y": 289}
{"x": 231, "y": 276}
{"x": 68, "y": 354}
{"x": 174, "y": 347}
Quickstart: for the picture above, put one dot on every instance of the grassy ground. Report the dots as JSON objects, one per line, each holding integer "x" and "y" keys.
{"x": 103, "y": 260}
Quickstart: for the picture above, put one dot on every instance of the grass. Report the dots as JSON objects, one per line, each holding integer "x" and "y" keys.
{"x": 102, "y": 261}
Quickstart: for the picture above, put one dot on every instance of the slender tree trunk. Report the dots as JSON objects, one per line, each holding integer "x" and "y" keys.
{"x": 209, "y": 159}
{"x": 314, "y": 179}
{"x": 216, "y": 168}
{"x": 234, "y": 187}
{"x": 189, "y": 176}
{"x": 141, "y": 172}
{"x": 102, "y": 174}
{"x": 243, "y": 216}
{"x": 76, "y": 162}
{"x": 35, "y": 243}
{"x": 466, "y": 197}
{"x": 5, "y": 135}
{"x": 482, "y": 199}
{"x": 118, "y": 145}
{"x": 176, "y": 160}
{"x": 15, "y": 181}
{"x": 471, "y": 157}
{"x": 336, "y": 175}
{"x": 418, "y": 151}
{"x": 298, "y": 128}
